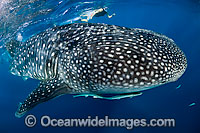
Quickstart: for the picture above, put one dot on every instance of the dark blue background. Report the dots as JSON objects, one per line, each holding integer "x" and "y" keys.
{"x": 179, "y": 20}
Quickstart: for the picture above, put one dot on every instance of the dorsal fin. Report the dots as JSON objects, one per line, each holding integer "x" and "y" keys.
{"x": 12, "y": 47}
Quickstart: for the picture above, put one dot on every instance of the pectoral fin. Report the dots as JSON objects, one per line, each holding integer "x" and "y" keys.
{"x": 45, "y": 91}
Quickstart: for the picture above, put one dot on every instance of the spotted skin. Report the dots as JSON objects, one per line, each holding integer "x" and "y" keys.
{"x": 95, "y": 59}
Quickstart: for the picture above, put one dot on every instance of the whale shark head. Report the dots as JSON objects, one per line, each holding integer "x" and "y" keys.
{"x": 179, "y": 64}
{"x": 117, "y": 59}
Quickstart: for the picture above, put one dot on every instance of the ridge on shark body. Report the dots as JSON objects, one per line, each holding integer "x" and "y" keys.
{"x": 92, "y": 59}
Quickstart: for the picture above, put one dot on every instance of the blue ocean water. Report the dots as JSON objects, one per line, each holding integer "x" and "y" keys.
{"x": 179, "y": 20}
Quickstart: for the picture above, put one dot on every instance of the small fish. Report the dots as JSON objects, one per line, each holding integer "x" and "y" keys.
{"x": 94, "y": 59}
{"x": 178, "y": 87}
{"x": 192, "y": 104}
{"x": 126, "y": 95}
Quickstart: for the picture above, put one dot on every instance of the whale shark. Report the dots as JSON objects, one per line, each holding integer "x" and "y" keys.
{"x": 94, "y": 59}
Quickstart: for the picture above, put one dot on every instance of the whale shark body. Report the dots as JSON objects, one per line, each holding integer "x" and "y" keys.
{"x": 95, "y": 59}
